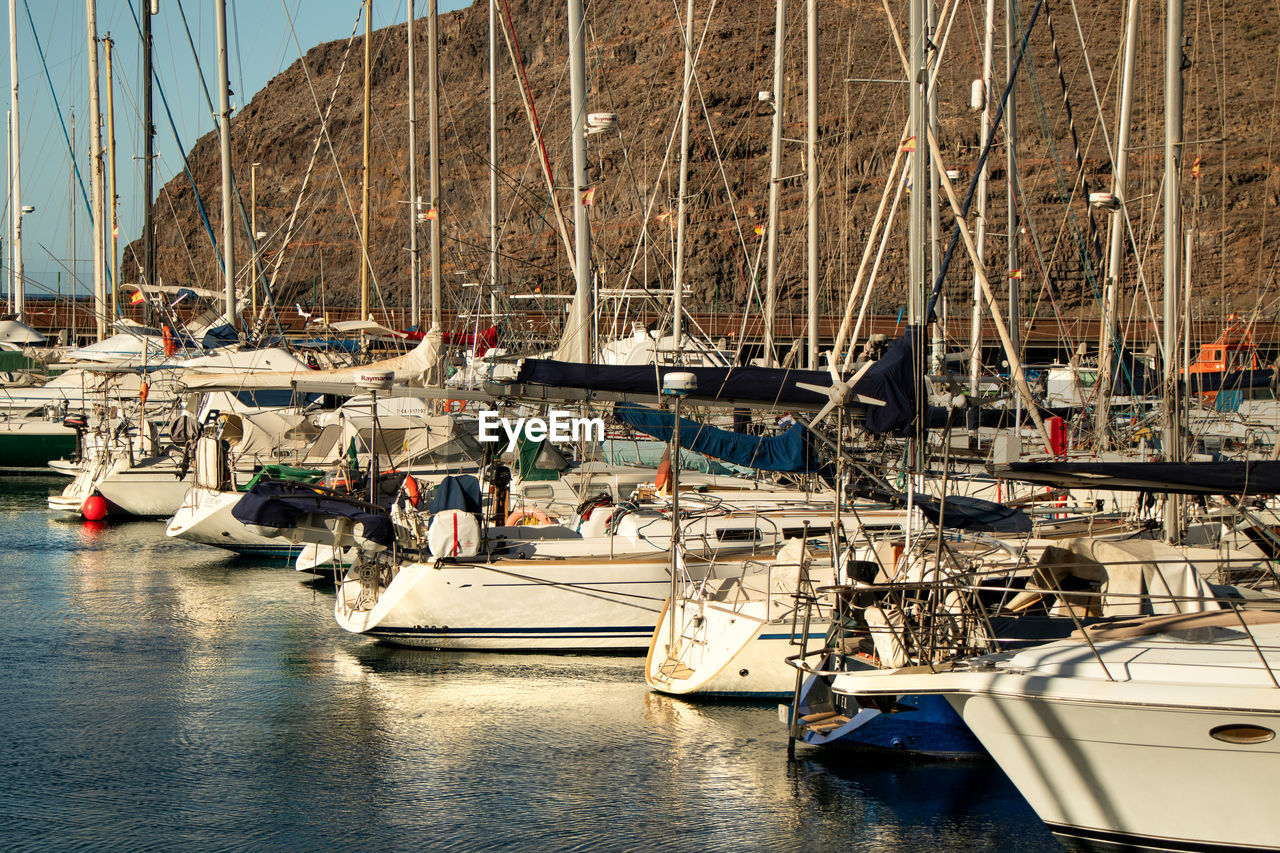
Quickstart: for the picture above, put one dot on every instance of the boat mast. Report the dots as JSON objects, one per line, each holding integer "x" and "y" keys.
{"x": 917, "y": 283}
{"x": 113, "y": 218}
{"x": 980, "y": 226}
{"x": 811, "y": 177}
{"x": 15, "y": 174}
{"x": 433, "y": 172}
{"x": 938, "y": 343}
{"x": 224, "y": 133}
{"x": 493, "y": 155}
{"x": 148, "y": 151}
{"x": 1110, "y": 331}
{"x": 71, "y": 216}
{"x": 677, "y": 302}
{"x": 1174, "y": 64}
{"x": 415, "y": 308}
{"x": 775, "y": 182}
{"x": 581, "y": 227}
{"x": 364, "y": 165}
{"x": 1011, "y": 189}
{"x": 95, "y": 148}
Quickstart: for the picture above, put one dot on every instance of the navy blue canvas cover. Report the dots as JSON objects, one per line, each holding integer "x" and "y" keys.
{"x": 275, "y": 503}
{"x": 790, "y": 451}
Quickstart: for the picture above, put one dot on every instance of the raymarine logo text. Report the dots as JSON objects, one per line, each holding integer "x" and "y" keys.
{"x": 557, "y": 427}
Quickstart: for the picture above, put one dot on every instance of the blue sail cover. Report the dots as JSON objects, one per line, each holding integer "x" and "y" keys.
{"x": 1261, "y": 477}
{"x": 961, "y": 512}
{"x": 792, "y": 451}
{"x": 893, "y": 380}
{"x": 890, "y": 379}
{"x": 277, "y": 503}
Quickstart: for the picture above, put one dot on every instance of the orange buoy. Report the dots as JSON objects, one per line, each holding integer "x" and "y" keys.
{"x": 94, "y": 508}
{"x": 411, "y": 489}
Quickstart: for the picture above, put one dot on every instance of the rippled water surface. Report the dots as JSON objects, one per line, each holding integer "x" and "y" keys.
{"x": 162, "y": 696}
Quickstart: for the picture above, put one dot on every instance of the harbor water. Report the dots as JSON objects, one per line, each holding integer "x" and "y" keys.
{"x": 160, "y": 695}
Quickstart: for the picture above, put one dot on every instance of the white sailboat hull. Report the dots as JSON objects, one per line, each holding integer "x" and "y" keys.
{"x": 205, "y": 517}
{"x": 150, "y": 492}
{"x": 724, "y": 653}
{"x": 516, "y": 605}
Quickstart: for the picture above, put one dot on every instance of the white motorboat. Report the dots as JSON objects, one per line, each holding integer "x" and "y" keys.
{"x": 1157, "y": 732}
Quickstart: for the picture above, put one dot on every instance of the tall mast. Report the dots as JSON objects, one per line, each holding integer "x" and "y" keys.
{"x": 71, "y": 216}
{"x": 364, "y": 165}
{"x": 1174, "y": 61}
{"x": 1111, "y": 299}
{"x": 113, "y": 218}
{"x": 775, "y": 181}
{"x": 919, "y": 165}
{"x": 1011, "y": 189}
{"x": 493, "y": 150}
{"x": 677, "y": 304}
{"x": 95, "y": 149}
{"x": 938, "y": 342}
{"x": 433, "y": 142}
{"x": 980, "y": 236}
{"x": 15, "y": 176}
{"x": 581, "y": 225}
{"x": 224, "y": 132}
{"x": 149, "y": 8}
{"x": 415, "y": 307}
{"x": 811, "y": 176}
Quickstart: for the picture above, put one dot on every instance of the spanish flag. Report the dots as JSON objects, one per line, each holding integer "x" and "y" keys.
{"x": 432, "y": 213}
{"x": 759, "y": 229}
{"x": 1195, "y": 168}
{"x": 1015, "y": 273}
{"x": 908, "y": 144}
{"x": 588, "y": 196}
{"x": 137, "y": 297}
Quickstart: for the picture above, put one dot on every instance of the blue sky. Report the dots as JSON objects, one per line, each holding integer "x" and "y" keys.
{"x": 261, "y": 46}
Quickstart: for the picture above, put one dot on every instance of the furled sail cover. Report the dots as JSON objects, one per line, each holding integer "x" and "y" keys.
{"x": 890, "y": 379}
{"x": 1185, "y": 478}
{"x": 960, "y": 512}
{"x": 274, "y": 503}
{"x": 791, "y": 451}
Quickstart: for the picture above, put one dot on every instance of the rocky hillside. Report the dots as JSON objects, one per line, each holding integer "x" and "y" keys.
{"x": 634, "y": 68}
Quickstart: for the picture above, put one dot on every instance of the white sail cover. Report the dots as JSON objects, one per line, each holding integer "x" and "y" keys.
{"x": 412, "y": 368}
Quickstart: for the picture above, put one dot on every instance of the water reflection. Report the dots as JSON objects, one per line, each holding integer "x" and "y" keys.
{"x": 162, "y": 695}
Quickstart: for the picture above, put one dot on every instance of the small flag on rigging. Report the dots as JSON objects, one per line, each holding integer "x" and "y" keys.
{"x": 908, "y": 144}
{"x": 1015, "y": 273}
{"x": 1195, "y": 168}
{"x": 588, "y": 196}
{"x": 759, "y": 229}
{"x": 137, "y": 297}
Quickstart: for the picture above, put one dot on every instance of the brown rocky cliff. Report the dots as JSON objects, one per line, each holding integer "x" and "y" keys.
{"x": 634, "y": 68}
